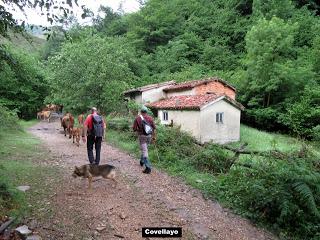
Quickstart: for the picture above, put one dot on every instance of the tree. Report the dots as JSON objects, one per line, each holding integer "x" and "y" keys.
{"x": 91, "y": 72}
{"x": 274, "y": 74}
{"x": 22, "y": 85}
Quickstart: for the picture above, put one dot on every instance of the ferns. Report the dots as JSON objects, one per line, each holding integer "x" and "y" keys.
{"x": 283, "y": 194}
{"x": 305, "y": 194}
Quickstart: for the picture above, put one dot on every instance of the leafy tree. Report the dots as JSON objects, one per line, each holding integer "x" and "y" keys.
{"x": 273, "y": 8}
{"x": 22, "y": 85}
{"x": 273, "y": 72}
{"x": 7, "y": 19}
{"x": 90, "y": 72}
{"x": 304, "y": 115}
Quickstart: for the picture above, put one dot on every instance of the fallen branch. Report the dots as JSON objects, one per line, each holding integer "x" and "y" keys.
{"x": 5, "y": 225}
{"x": 242, "y": 151}
{"x": 118, "y": 235}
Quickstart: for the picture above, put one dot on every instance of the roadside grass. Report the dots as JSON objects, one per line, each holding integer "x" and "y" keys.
{"x": 20, "y": 159}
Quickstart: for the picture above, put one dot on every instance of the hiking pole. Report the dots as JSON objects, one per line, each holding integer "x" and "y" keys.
{"x": 157, "y": 152}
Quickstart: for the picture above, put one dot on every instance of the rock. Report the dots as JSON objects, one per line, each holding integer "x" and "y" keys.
{"x": 199, "y": 181}
{"x": 122, "y": 216}
{"x": 101, "y": 228}
{"x": 34, "y": 237}
{"x": 23, "y": 230}
{"x": 23, "y": 188}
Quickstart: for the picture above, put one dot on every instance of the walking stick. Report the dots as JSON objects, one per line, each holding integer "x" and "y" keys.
{"x": 157, "y": 152}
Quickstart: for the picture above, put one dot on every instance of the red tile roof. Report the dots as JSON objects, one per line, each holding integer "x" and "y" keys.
{"x": 148, "y": 87}
{"x": 194, "y": 83}
{"x": 190, "y": 102}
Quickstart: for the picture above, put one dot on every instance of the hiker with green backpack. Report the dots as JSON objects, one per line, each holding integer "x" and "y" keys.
{"x": 145, "y": 128}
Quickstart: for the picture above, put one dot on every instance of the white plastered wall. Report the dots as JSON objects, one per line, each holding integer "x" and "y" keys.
{"x": 228, "y": 131}
{"x": 188, "y": 120}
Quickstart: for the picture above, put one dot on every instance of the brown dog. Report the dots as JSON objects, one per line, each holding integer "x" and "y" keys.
{"x": 90, "y": 170}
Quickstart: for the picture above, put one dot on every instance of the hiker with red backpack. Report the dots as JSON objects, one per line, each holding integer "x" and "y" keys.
{"x": 94, "y": 127}
{"x": 145, "y": 128}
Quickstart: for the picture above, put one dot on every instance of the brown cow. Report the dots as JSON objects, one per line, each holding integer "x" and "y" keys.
{"x": 81, "y": 119}
{"x": 39, "y": 115}
{"x": 76, "y": 133}
{"x": 46, "y": 115}
{"x": 67, "y": 122}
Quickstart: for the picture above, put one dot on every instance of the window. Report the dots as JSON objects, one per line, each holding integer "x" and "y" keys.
{"x": 219, "y": 117}
{"x": 165, "y": 116}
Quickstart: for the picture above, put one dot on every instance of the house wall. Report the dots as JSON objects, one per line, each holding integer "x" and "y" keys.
{"x": 153, "y": 95}
{"x": 188, "y": 120}
{"x": 215, "y": 87}
{"x": 179, "y": 93}
{"x": 228, "y": 131}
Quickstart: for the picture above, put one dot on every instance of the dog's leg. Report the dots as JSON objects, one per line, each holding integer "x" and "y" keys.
{"x": 115, "y": 182}
{"x": 90, "y": 181}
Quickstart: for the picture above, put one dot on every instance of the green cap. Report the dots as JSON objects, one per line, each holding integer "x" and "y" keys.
{"x": 144, "y": 109}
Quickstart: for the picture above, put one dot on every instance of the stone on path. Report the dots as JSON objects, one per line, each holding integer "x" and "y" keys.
{"x": 23, "y": 230}
{"x": 23, "y": 188}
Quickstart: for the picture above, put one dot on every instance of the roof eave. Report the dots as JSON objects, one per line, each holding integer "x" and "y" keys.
{"x": 174, "y": 108}
{"x": 232, "y": 102}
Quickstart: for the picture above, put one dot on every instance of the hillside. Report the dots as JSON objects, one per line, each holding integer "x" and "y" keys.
{"x": 24, "y": 41}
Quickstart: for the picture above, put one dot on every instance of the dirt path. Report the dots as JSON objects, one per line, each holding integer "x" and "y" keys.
{"x": 138, "y": 201}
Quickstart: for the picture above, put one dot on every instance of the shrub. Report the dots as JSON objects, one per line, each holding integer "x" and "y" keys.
{"x": 213, "y": 159}
{"x": 316, "y": 133}
{"x": 8, "y": 119}
{"x": 120, "y": 124}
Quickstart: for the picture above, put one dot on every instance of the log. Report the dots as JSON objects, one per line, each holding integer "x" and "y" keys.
{"x": 5, "y": 225}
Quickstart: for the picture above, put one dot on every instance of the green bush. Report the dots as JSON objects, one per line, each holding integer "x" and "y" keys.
{"x": 316, "y": 133}
{"x": 213, "y": 159}
{"x": 120, "y": 124}
{"x": 8, "y": 119}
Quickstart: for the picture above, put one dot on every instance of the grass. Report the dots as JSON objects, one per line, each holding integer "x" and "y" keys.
{"x": 265, "y": 141}
{"x": 20, "y": 161}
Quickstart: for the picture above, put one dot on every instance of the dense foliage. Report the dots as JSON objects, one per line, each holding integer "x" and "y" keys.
{"x": 22, "y": 85}
{"x": 8, "y": 119}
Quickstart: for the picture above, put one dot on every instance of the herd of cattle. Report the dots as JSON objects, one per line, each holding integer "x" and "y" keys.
{"x": 49, "y": 111}
{"x": 67, "y": 121}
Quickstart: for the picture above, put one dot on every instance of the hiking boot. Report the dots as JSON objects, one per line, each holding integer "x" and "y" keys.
{"x": 147, "y": 170}
{"x": 142, "y": 161}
